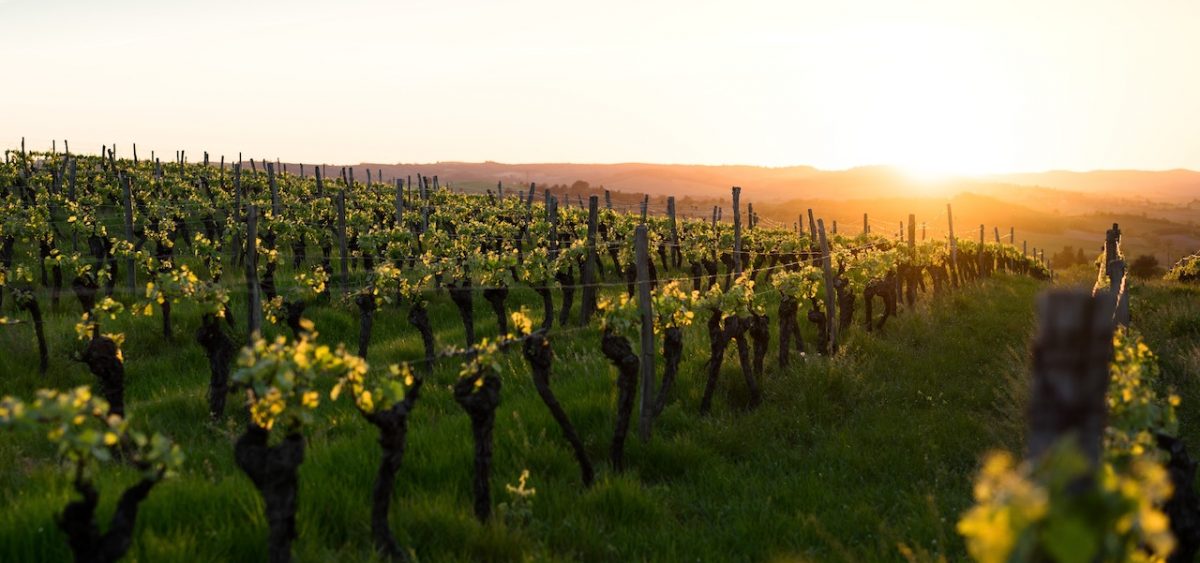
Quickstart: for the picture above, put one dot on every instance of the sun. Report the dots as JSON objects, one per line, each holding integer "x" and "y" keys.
{"x": 926, "y": 108}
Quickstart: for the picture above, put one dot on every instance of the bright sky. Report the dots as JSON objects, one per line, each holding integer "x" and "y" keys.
{"x": 936, "y": 86}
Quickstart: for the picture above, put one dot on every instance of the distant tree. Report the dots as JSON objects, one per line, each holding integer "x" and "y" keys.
{"x": 1146, "y": 266}
{"x": 1064, "y": 259}
{"x": 1080, "y": 258}
{"x": 580, "y": 186}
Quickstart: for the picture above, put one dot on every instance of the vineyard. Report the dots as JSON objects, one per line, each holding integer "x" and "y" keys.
{"x": 204, "y": 361}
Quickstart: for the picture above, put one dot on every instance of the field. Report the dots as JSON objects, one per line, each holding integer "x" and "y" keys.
{"x": 863, "y": 447}
{"x": 845, "y": 458}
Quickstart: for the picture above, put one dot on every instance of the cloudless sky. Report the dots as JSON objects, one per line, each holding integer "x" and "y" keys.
{"x": 939, "y": 86}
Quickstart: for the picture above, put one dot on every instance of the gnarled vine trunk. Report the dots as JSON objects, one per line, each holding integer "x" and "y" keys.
{"x": 219, "y": 349}
{"x": 496, "y": 297}
{"x": 618, "y": 351}
{"x": 538, "y": 353}
{"x": 274, "y": 470}
{"x": 102, "y": 358}
{"x": 720, "y": 332}
{"x": 460, "y": 293}
{"x": 78, "y": 521}
{"x": 480, "y": 402}
{"x": 366, "y": 319}
{"x": 760, "y": 332}
{"x": 672, "y": 354}
{"x": 566, "y": 283}
{"x": 789, "y": 329}
{"x": 418, "y": 317}
{"x": 393, "y": 437}
{"x": 547, "y": 306}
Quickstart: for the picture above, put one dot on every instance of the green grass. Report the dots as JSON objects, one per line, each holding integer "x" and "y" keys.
{"x": 1168, "y": 315}
{"x": 844, "y": 460}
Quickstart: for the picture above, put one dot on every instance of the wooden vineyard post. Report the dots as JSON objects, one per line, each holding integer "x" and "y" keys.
{"x": 1121, "y": 312}
{"x": 529, "y": 200}
{"x": 645, "y": 205}
{"x": 552, "y": 218}
{"x": 645, "y": 413}
{"x": 399, "y": 202}
{"x": 831, "y": 318}
{"x": 1111, "y": 239}
{"x": 344, "y": 274}
{"x": 750, "y": 216}
{"x": 608, "y": 200}
{"x": 953, "y": 246}
{"x": 716, "y": 238}
{"x": 800, "y": 225}
{"x": 1071, "y": 353}
{"x": 130, "y": 273}
{"x": 320, "y": 181}
{"x": 980, "y": 251}
{"x": 253, "y": 301}
{"x": 737, "y": 232}
{"x": 912, "y": 236}
{"x": 866, "y": 224}
{"x": 835, "y": 226}
{"x": 587, "y": 304}
{"x": 676, "y": 254}
{"x": 275, "y": 212}
{"x": 71, "y": 195}
{"x": 812, "y": 228}
{"x": 1115, "y": 268}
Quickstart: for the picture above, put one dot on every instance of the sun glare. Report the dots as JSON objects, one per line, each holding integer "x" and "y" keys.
{"x": 925, "y": 108}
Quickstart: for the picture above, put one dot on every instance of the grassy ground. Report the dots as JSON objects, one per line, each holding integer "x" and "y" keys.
{"x": 844, "y": 460}
{"x": 1168, "y": 315}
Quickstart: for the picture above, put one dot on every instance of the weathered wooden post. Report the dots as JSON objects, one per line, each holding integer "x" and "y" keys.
{"x": 645, "y": 413}
{"x": 1071, "y": 355}
{"x": 737, "y": 232}
{"x": 253, "y": 302}
{"x": 981, "y": 253}
{"x": 953, "y": 245}
{"x": 344, "y": 274}
{"x": 275, "y": 211}
{"x": 1112, "y": 240}
{"x": 587, "y": 304}
{"x": 1121, "y": 312}
{"x": 812, "y": 228}
{"x": 676, "y": 254}
{"x": 130, "y": 273}
{"x": 399, "y": 202}
{"x": 831, "y": 318}
{"x": 866, "y": 224}
{"x": 912, "y": 235}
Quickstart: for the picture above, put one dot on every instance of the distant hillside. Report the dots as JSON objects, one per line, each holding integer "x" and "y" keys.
{"x": 1169, "y": 185}
{"x": 1091, "y": 190}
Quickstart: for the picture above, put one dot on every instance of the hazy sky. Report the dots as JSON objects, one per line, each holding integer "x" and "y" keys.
{"x": 962, "y": 86}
